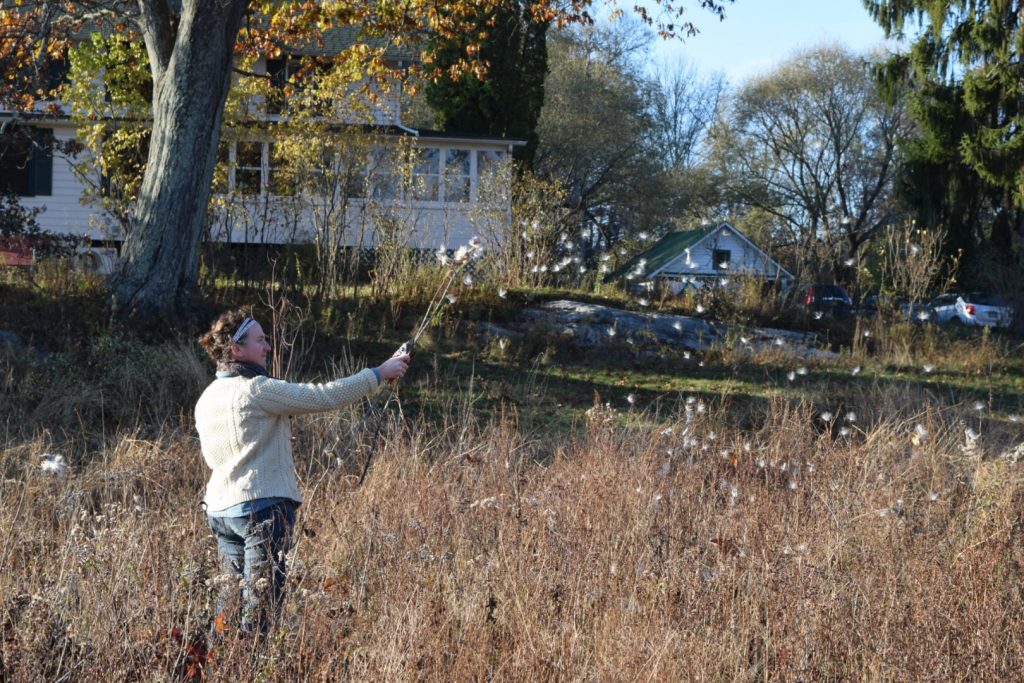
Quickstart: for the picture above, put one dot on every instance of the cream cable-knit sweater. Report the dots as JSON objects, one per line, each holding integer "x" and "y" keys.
{"x": 245, "y": 433}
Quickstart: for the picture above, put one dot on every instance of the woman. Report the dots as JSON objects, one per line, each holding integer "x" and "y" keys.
{"x": 245, "y": 434}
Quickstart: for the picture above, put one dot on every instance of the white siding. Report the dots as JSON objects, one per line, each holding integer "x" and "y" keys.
{"x": 269, "y": 219}
{"x": 424, "y": 224}
{"x": 63, "y": 211}
{"x": 744, "y": 259}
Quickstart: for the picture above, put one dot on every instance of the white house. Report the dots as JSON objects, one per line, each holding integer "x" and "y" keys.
{"x": 451, "y": 167}
{"x": 698, "y": 258}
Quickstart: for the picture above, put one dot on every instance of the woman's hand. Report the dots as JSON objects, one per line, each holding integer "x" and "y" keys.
{"x": 393, "y": 368}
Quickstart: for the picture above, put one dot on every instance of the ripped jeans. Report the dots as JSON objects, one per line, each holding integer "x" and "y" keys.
{"x": 252, "y": 553}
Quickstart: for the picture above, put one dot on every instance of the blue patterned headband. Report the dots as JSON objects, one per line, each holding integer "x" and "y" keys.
{"x": 242, "y": 329}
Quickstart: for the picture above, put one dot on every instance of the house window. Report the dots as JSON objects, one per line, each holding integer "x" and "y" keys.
{"x": 722, "y": 258}
{"x": 355, "y": 180}
{"x": 280, "y": 179}
{"x": 280, "y": 72}
{"x": 222, "y": 169}
{"x": 26, "y": 161}
{"x": 457, "y": 175}
{"x": 426, "y": 177}
{"x": 386, "y": 182}
{"x": 490, "y": 165}
{"x": 248, "y": 167}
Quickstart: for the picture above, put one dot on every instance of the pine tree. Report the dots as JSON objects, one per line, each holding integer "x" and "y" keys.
{"x": 507, "y": 100}
{"x": 966, "y": 170}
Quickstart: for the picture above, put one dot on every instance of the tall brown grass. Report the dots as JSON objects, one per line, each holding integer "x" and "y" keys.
{"x": 690, "y": 551}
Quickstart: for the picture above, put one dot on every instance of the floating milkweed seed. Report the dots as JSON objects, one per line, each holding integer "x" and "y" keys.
{"x": 631, "y": 399}
{"x": 643, "y": 302}
{"x": 801, "y": 371}
{"x": 791, "y": 375}
{"x": 850, "y": 262}
{"x": 928, "y": 368}
{"x": 468, "y": 280}
{"x": 978, "y": 405}
{"x": 700, "y": 309}
{"x": 855, "y": 371}
{"x": 503, "y": 293}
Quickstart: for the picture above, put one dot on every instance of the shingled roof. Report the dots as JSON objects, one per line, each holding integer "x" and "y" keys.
{"x": 660, "y": 253}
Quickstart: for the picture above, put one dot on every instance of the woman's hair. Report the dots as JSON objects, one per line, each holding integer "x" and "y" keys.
{"x": 217, "y": 342}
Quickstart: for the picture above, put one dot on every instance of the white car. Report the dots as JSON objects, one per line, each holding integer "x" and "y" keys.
{"x": 986, "y": 311}
{"x": 942, "y": 308}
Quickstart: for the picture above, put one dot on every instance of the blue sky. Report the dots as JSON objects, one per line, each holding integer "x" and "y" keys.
{"x": 758, "y": 34}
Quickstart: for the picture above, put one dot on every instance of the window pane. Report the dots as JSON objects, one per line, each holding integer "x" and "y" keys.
{"x": 428, "y": 161}
{"x": 457, "y": 162}
{"x": 281, "y": 179}
{"x": 247, "y": 181}
{"x": 221, "y": 169}
{"x": 457, "y": 190}
{"x": 248, "y": 167}
{"x": 456, "y": 175}
{"x": 425, "y": 188}
{"x": 355, "y": 185}
{"x": 385, "y": 186}
{"x": 426, "y": 175}
{"x": 249, "y": 153}
{"x": 489, "y": 162}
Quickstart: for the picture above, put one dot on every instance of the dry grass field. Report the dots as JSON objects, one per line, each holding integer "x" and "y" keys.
{"x": 880, "y": 546}
{"x": 532, "y": 515}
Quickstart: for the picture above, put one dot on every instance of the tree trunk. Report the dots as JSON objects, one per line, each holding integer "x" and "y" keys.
{"x": 191, "y": 66}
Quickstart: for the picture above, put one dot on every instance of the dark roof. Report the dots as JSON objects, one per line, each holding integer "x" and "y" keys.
{"x": 335, "y": 40}
{"x": 331, "y": 42}
{"x": 664, "y": 250}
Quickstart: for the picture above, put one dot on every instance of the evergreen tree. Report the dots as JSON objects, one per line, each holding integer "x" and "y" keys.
{"x": 966, "y": 171}
{"x": 505, "y": 93}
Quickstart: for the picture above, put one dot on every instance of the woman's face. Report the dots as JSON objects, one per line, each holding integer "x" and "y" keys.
{"x": 253, "y": 348}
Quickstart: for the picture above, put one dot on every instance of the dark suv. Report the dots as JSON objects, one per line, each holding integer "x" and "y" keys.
{"x": 829, "y": 300}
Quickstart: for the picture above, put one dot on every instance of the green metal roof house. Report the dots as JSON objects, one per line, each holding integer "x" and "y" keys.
{"x": 699, "y": 258}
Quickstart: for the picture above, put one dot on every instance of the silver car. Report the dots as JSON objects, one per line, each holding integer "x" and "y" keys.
{"x": 986, "y": 311}
{"x": 939, "y": 310}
